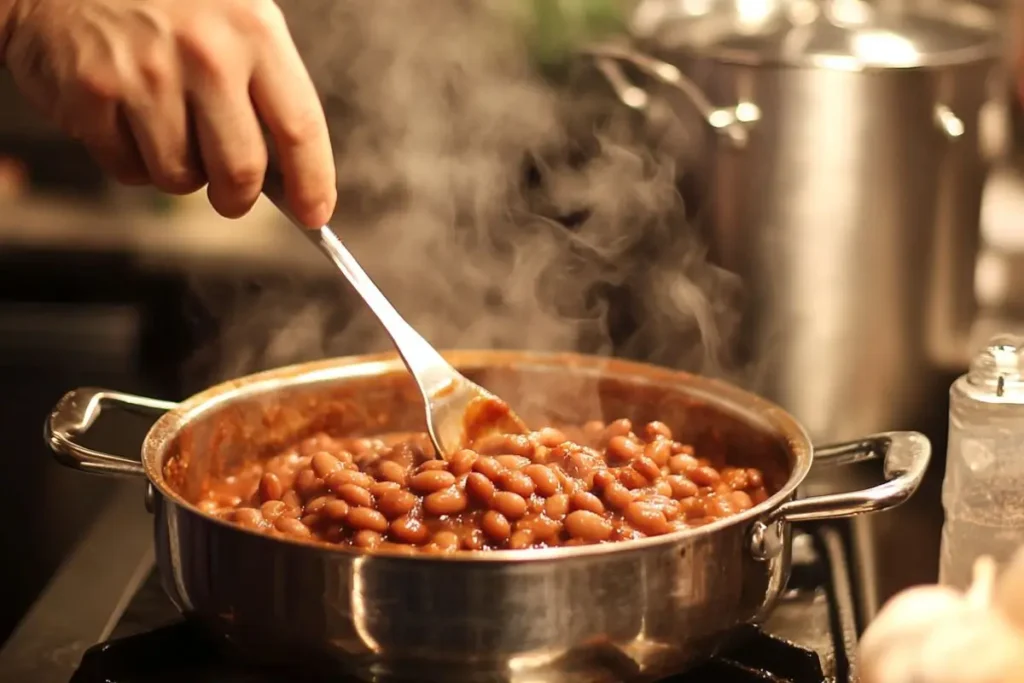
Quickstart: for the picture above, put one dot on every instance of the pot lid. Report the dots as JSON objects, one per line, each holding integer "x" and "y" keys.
{"x": 835, "y": 34}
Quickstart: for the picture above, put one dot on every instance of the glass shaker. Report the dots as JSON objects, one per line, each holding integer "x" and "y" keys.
{"x": 983, "y": 491}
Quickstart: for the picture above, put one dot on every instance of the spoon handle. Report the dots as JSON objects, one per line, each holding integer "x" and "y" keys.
{"x": 422, "y": 360}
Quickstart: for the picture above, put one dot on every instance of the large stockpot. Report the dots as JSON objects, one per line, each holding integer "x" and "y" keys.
{"x": 612, "y": 612}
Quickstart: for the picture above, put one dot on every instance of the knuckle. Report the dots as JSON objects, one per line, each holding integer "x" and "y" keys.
{"x": 101, "y": 84}
{"x": 262, "y": 18}
{"x": 244, "y": 175}
{"x": 302, "y": 127}
{"x": 201, "y": 51}
{"x": 155, "y": 69}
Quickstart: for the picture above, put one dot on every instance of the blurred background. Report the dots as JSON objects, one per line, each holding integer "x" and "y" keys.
{"x": 863, "y": 187}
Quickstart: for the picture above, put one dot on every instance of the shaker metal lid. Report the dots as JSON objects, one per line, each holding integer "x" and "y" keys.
{"x": 847, "y": 35}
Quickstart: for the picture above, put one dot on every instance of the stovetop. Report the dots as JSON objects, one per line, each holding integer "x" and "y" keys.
{"x": 809, "y": 638}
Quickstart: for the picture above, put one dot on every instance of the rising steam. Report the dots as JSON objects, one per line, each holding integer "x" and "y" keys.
{"x": 495, "y": 209}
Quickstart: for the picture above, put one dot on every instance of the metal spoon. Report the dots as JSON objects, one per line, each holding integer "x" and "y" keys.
{"x": 457, "y": 410}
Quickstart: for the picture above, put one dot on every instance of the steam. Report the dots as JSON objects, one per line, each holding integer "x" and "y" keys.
{"x": 495, "y": 209}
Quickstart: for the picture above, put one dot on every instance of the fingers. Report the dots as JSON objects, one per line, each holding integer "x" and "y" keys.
{"x": 231, "y": 144}
{"x": 159, "y": 122}
{"x": 287, "y": 103}
{"x": 100, "y": 124}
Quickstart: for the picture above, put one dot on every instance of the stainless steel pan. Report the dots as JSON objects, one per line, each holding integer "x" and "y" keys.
{"x": 623, "y": 611}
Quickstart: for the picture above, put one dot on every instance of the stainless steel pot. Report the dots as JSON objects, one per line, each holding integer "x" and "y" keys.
{"x": 594, "y": 613}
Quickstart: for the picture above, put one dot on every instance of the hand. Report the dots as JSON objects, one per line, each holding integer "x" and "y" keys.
{"x": 173, "y": 92}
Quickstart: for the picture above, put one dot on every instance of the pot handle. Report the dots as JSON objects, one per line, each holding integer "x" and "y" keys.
{"x": 730, "y": 122}
{"x": 905, "y": 457}
{"x": 76, "y": 412}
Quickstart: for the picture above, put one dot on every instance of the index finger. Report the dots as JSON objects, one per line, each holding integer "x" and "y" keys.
{"x": 287, "y": 103}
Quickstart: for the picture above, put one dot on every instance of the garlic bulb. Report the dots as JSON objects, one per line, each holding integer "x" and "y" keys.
{"x": 934, "y": 634}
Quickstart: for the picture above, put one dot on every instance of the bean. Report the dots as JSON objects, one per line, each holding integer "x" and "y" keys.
{"x": 622, "y": 449}
{"x": 587, "y": 501}
{"x": 632, "y": 479}
{"x": 355, "y": 495}
{"x": 655, "y": 430}
{"x": 317, "y": 504}
{"x": 495, "y": 525}
{"x": 540, "y": 527}
{"x": 512, "y": 505}
{"x": 292, "y": 527}
{"x": 647, "y": 518}
{"x": 431, "y": 480}
{"x": 292, "y": 502}
{"x": 681, "y": 486}
{"x": 479, "y": 487}
{"x": 340, "y": 478}
{"x": 410, "y": 530}
{"x": 488, "y": 467}
{"x": 557, "y": 506}
{"x": 512, "y": 462}
{"x": 249, "y": 518}
{"x": 617, "y": 496}
{"x": 741, "y": 500}
{"x": 446, "y": 540}
{"x": 272, "y": 509}
{"x": 449, "y": 501}
{"x": 588, "y": 526}
{"x": 755, "y": 479}
{"x": 663, "y": 488}
{"x": 659, "y": 452}
{"x": 391, "y": 471}
{"x": 517, "y": 482}
{"x": 520, "y": 539}
{"x": 550, "y": 437}
{"x": 270, "y": 487}
{"x": 367, "y": 518}
{"x": 393, "y": 504}
{"x": 430, "y": 465}
{"x": 504, "y": 444}
{"x": 704, "y": 476}
{"x": 682, "y": 464}
{"x": 336, "y": 510}
{"x": 474, "y": 540}
{"x": 719, "y": 507}
{"x": 462, "y": 462}
{"x": 620, "y": 427}
{"x": 324, "y": 463}
{"x": 544, "y": 480}
{"x": 310, "y": 521}
{"x": 736, "y": 479}
{"x": 647, "y": 468}
{"x": 308, "y": 485}
{"x": 366, "y": 538}
{"x": 379, "y": 488}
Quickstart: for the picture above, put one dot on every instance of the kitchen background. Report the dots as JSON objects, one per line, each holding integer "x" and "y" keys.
{"x": 106, "y": 286}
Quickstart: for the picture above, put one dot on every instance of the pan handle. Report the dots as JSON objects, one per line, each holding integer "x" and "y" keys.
{"x": 76, "y": 412}
{"x": 905, "y": 457}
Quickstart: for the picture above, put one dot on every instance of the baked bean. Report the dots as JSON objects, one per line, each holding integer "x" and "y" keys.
{"x": 391, "y": 471}
{"x": 512, "y": 505}
{"x": 658, "y": 430}
{"x": 520, "y": 539}
{"x": 557, "y": 506}
{"x": 587, "y": 501}
{"x": 704, "y": 476}
{"x": 366, "y": 539}
{"x": 292, "y": 527}
{"x": 410, "y": 530}
{"x": 646, "y": 518}
{"x": 335, "y": 510}
{"x": 588, "y": 526}
{"x": 682, "y": 463}
{"x": 340, "y": 478}
{"x": 431, "y": 480}
{"x": 270, "y": 487}
{"x": 544, "y": 480}
{"x": 590, "y": 484}
{"x": 517, "y": 482}
{"x": 623, "y": 449}
{"x": 324, "y": 463}
{"x": 367, "y": 518}
{"x": 617, "y": 496}
{"x": 495, "y": 525}
{"x": 512, "y": 462}
{"x": 462, "y": 461}
{"x": 449, "y": 501}
{"x": 488, "y": 467}
{"x": 480, "y": 487}
{"x": 647, "y": 468}
{"x": 249, "y": 518}
{"x": 355, "y": 495}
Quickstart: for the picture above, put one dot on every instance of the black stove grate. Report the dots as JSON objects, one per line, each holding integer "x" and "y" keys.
{"x": 759, "y": 658}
